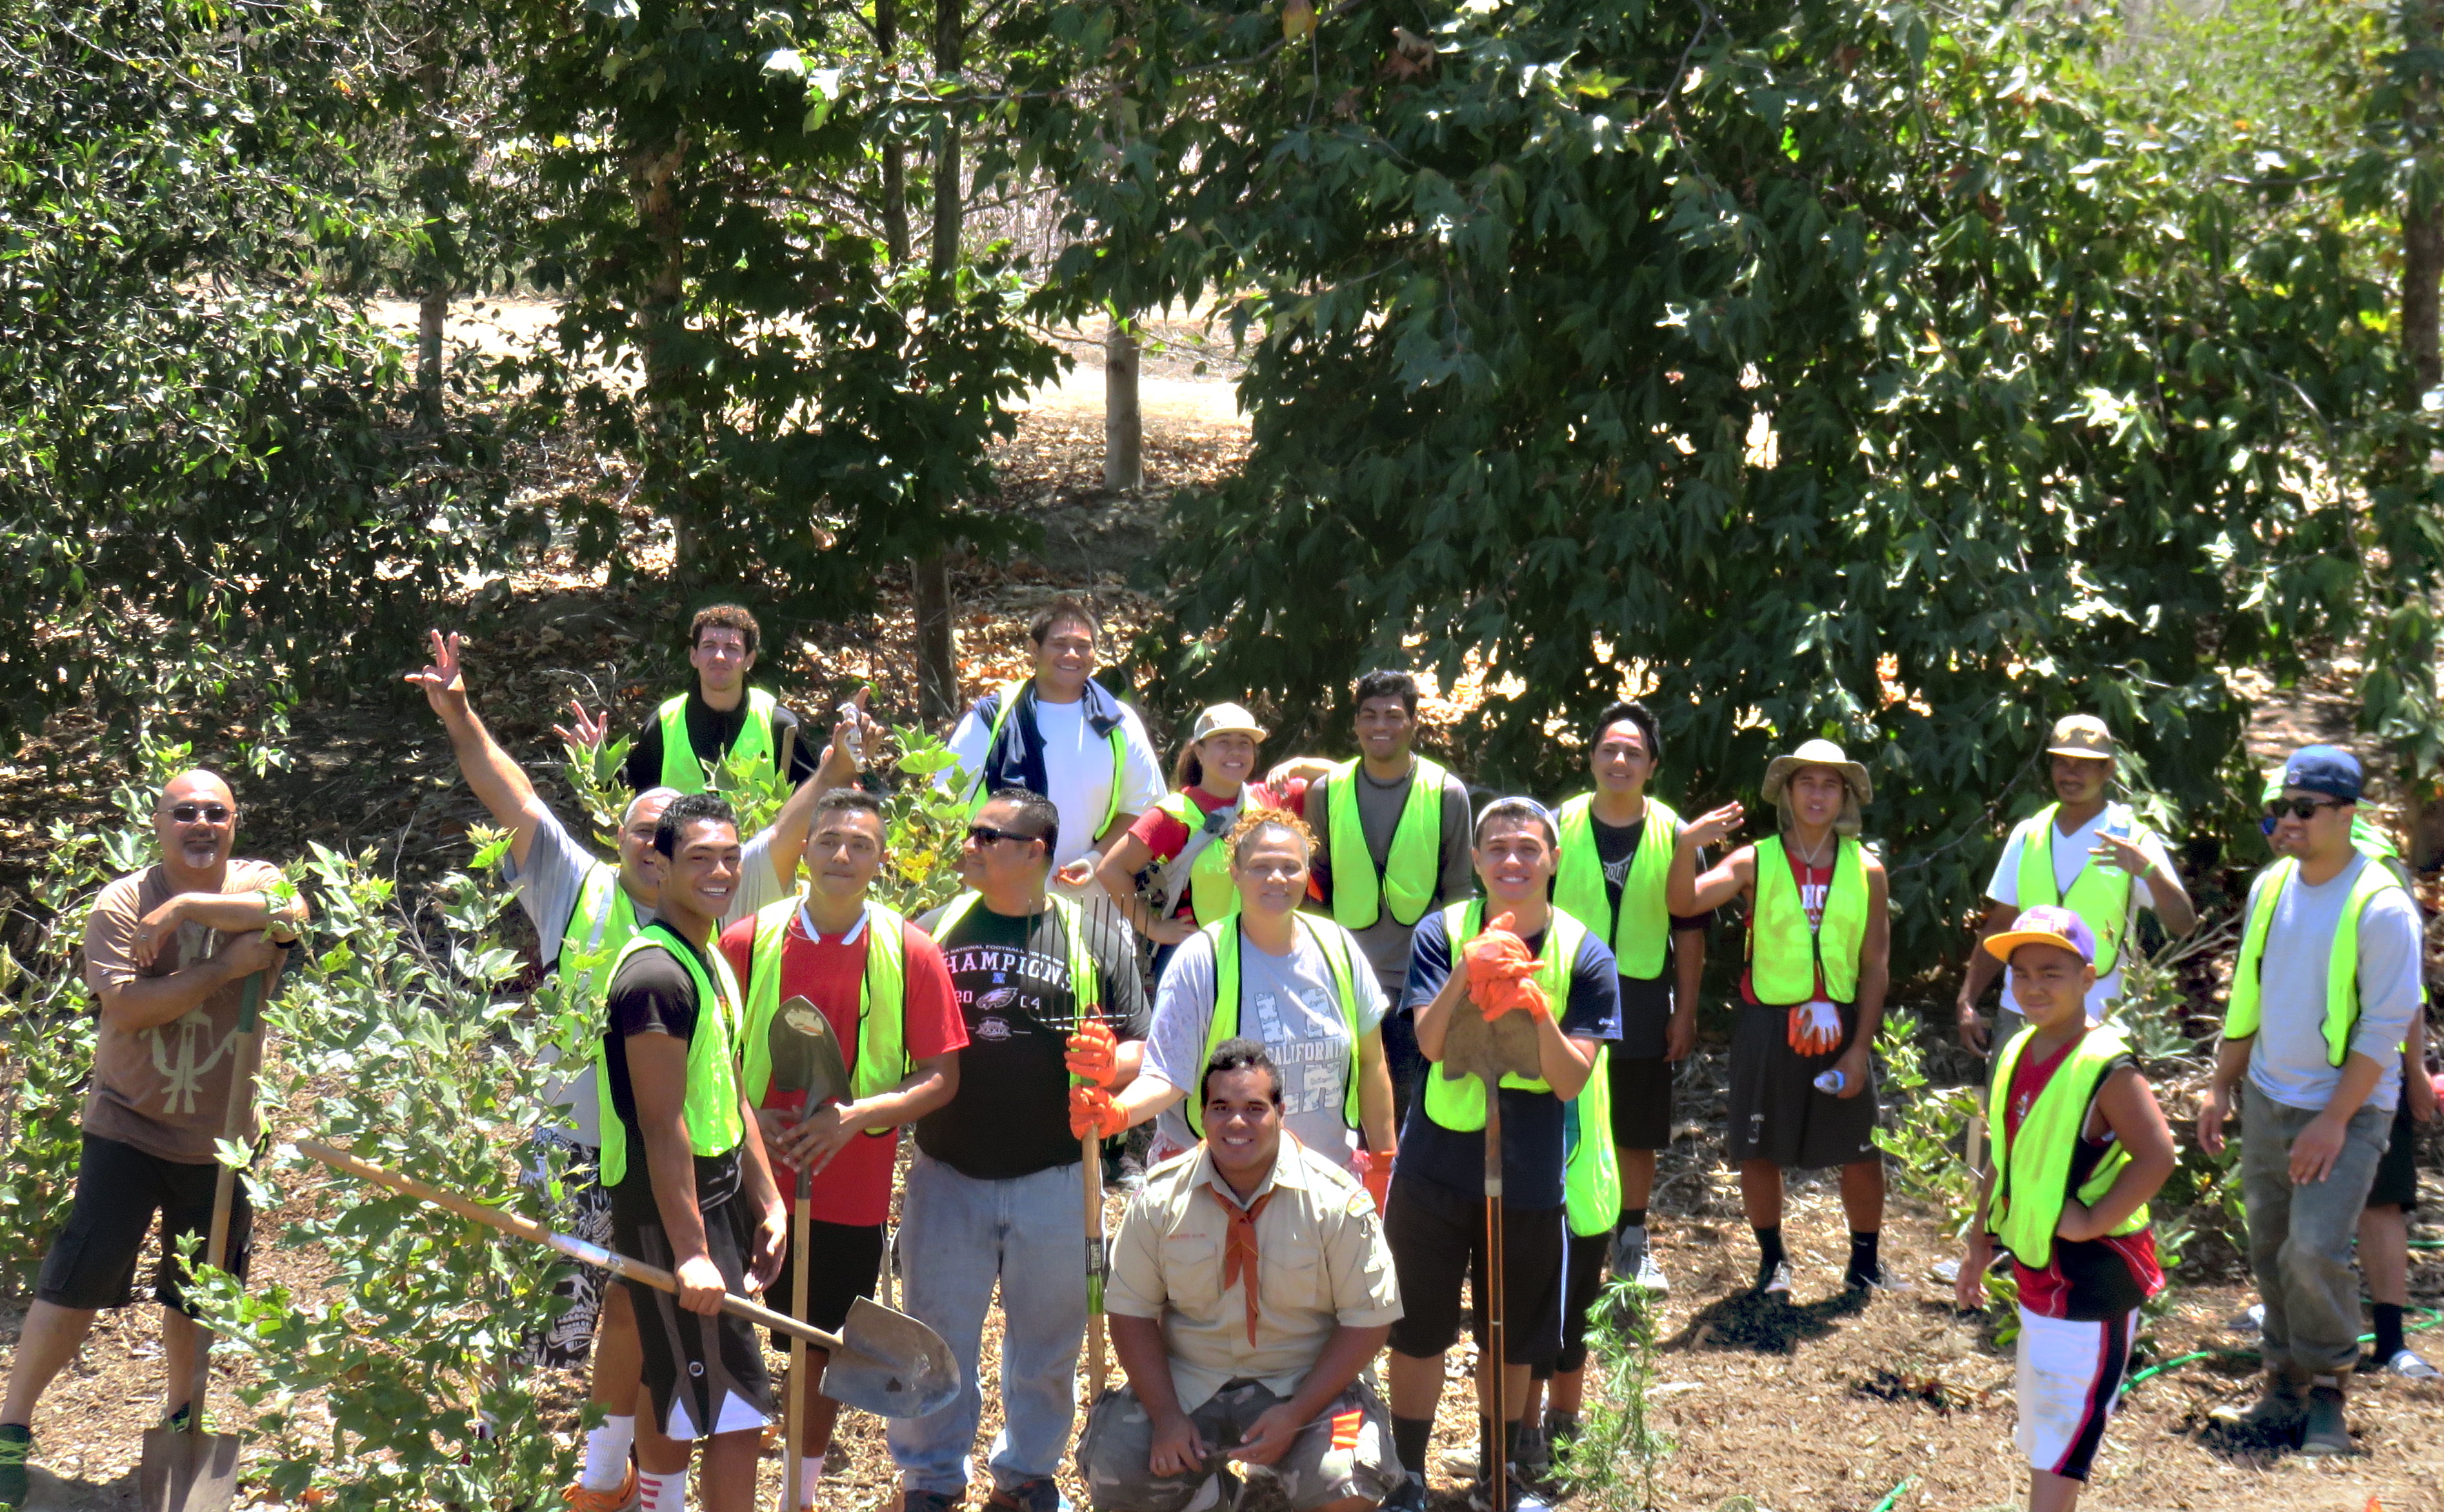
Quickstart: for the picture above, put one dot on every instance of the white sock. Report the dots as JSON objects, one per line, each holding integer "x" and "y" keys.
{"x": 661, "y": 1493}
{"x": 606, "y": 1454}
{"x": 810, "y": 1474}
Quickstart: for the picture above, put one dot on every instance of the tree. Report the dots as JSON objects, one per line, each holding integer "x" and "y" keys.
{"x": 1825, "y": 368}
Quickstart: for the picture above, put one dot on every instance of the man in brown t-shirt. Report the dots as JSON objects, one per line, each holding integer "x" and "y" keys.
{"x": 168, "y": 951}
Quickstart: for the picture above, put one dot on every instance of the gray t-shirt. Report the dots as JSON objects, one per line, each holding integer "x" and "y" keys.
{"x": 2289, "y": 1060}
{"x": 1386, "y": 941}
{"x": 1287, "y": 1003}
{"x": 549, "y": 884}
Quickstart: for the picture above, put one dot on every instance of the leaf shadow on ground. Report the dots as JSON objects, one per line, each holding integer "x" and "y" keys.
{"x": 1764, "y": 1326}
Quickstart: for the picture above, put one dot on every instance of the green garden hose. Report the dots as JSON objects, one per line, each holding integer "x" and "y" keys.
{"x": 1892, "y": 1498}
{"x": 2428, "y": 1317}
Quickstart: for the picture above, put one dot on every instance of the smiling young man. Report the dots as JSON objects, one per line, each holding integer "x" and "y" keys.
{"x": 691, "y": 1189}
{"x": 1395, "y": 848}
{"x": 720, "y": 717}
{"x": 168, "y": 951}
{"x": 1065, "y": 737}
{"x": 2322, "y": 995}
{"x": 1820, "y": 936}
{"x": 1435, "y": 1220}
{"x": 2088, "y": 853}
{"x": 879, "y": 983}
{"x": 1250, "y": 1289}
{"x": 1045, "y": 989}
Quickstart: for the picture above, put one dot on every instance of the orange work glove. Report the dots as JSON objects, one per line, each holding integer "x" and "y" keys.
{"x": 1501, "y": 971}
{"x": 1815, "y": 1027}
{"x": 1094, "y": 1054}
{"x": 1374, "y": 1172}
{"x": 1093, "y": 1113}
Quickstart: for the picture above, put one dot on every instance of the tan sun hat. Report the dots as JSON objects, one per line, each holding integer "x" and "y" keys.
{"x": 2082, "y": 735}
{"x": 1818, "y": 753}
{"x": 1226, "y": 719}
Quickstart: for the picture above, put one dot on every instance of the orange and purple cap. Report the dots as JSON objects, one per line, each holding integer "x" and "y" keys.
{"x": 2045, "y": 924}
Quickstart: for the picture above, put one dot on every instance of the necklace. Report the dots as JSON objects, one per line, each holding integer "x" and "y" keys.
{"x": 1812, "y": 859}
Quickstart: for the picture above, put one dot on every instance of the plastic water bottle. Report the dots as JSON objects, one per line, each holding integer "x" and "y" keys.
{"x": 1831, "y": 1082}
{"x": 856, "y": 736}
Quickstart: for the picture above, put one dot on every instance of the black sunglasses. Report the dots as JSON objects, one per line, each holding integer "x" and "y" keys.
{"x": 208, "y": 813}
{"x": 2299, "y": 807}
{"x": 987, "y": 835}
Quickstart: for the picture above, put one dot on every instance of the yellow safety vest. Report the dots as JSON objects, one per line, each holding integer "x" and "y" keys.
{"x": 1211, "y": 895}
{"x": 1783, "y": 952}
{"x": 1591, "y": 1178}
{"x": 2032, "y": 1171}
{"x": 1224, "y": 1021}
{"x": 1413, "y": 866}
{"x": 1641, "y": 926}
{"x": 2100, "y": 895}
{"x": 2240, "y": 1017}
{"x": 684, "y": 770}
{"x": 1458, "y": 1102}
{"x": 714, "y": 1123}
{"x": 881, "y": 1058}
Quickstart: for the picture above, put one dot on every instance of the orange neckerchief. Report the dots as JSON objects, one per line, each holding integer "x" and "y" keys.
{"x": 1239, "y": 1247}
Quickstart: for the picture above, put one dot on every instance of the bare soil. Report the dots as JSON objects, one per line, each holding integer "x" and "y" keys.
{"x": 1831, "y": 1402}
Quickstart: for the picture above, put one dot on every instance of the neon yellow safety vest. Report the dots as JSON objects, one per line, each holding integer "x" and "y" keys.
{"x": 2100, "y": 895}
{"x": 714, "y": 1123}
{"x": 2342, "y": 962}
{"x": 1223, "y": 1024}
{"x": 1591, "y": 1178}
{"x": 1116, "y": 739}
{"x": 1211, "y": 895}
{"x": 1641, "y": 926}
{"x": 881, "y": 1058}
{"x": 1458, "y": 1103}
{"x": 684, "y": 770}
{"x": 1784, "y": 953}
{"x": 2032, "y": 1171}
{"x": 1412, "y": 867}
{"x": 608, "y": 915}
{"x": 1086, "y": 983}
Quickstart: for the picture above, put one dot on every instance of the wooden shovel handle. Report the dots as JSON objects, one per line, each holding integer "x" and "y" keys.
{"x": 576, "y": 1249}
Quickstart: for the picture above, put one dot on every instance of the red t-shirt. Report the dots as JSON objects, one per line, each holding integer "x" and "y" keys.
{"x": 855, "y": 1188}
{"x": 1815, "y": 885}
{"x": 1167, "y": 837}
{"x": 2090, "y": 1279}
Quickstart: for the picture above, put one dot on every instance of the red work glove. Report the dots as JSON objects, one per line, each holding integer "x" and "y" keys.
{"x": 1501, "y": 971}
{"x": 1093, "y": 1113}
{"x": 1094, "y": 1054}
{"x": 1815, "y": 1027}
{"x": 1374, "y": 1173}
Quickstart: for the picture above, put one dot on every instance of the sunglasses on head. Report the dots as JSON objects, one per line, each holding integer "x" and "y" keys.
{"x": 987, "y": 835}
{"x": 208, "y": 813}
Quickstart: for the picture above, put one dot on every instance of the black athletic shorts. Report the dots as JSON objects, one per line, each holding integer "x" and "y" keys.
{"x": 1582, "y": 1281}
{"x": 706, "y": 1373}
{"x": 1642, "y": 1101}
{"x": 845, "y": 1263}
{"x": 119, "y": 1189}
{"x": 2397, "y": 1173}
{"x": 1437, "y": 1239}
{"x": 1777, "y": 1114}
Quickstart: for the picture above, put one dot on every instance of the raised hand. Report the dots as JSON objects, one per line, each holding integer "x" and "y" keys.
{"x": 585, "y": 732}
{"x": 2118, "y": 850}
{"x": 1712, "y": 827}
{"x": 442, "y": 678}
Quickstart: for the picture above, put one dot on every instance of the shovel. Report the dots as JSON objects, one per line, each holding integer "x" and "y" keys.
{"x": 883, "y": 1362}
{"x": 805, "y": 1059}
{"x": 188, "y": 1470}
{"x": 1491, "y": 1049}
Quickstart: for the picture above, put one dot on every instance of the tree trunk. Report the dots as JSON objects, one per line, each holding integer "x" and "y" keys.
{"x": 433, "y": 310}
{"x": 1123, "y": 424}
{"x": 937, "y": 646}
{"x": 2422, "y": 269}
{"x": 659, "y": 320}
{"x": 895, "y": 152}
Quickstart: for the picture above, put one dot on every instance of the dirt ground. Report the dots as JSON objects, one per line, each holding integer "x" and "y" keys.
{"x": 1830, "y": 1403}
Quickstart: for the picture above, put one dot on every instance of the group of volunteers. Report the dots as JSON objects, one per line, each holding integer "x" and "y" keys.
{"x": 1269, "y": 968}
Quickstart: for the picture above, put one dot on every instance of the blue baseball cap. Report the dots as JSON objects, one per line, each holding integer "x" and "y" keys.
{"x": 2045, "y": 924}
{"x": 2327, "y": 769}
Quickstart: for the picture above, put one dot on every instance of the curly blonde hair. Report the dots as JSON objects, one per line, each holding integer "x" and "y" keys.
{"x": 1256, "y": 820}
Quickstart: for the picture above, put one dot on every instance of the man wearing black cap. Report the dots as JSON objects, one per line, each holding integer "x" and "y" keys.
{"x": 2321, "y": 998}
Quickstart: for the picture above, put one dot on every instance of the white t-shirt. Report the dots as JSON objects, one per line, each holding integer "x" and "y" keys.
{"x": 1287, "y": 1003}
{"x": 2070, "y": 854}
{"x": 1076, "y": 768}
{"x": 2289, "y": 1062}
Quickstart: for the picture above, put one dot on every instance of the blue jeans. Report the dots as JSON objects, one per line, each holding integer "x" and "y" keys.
{"x": 959, "y": 1236}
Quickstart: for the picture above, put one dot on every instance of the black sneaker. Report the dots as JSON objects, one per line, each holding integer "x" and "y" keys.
{"x": 16, "y": 1445}
{"x": 1408, "y": 1496}
{"x": 1040, "y": 1494}
{"x": 1524, "y": 1497}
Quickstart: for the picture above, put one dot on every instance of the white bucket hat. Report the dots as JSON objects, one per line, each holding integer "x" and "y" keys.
{"x": 1226, "y": 719}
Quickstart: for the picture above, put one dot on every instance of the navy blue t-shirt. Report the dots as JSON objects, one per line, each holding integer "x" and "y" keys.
{"x": 1531, "y": 1121}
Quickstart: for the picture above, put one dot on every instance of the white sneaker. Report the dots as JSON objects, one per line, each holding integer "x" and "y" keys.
{"x": 2252, "y": 1321}
{"x": 2407, "y": 1364}
{"x": 1778, "y": 1284}
{"x": 1650, "y": 1278}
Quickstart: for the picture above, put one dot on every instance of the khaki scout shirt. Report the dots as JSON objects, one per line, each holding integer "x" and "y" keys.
{"x": 1322, "y": 1264}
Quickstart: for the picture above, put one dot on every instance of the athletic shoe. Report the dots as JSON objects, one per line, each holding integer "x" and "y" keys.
{"x": 1042, "y": 1494}
{"x": 16, "y": 1443}
{"x": 2325, "y": 1431}
{"x": 1875, "y": 1279}
{"x": 1524, "y": 1498}
{"x": 1408, "y": 1496}
{"x": 623, "y": 1500}
{"x": 1649, "y": 1276}
{"x": 1773, "y": 1281}
{"x": 2276, "y": 1415}
{"x": 1561, "y": 1430}
{"x": 2252, "y": 1321}
{"x": 2407, "y": 1364}
{"x": 927, "y": 1501}
{"x": 1531, "y": 1452}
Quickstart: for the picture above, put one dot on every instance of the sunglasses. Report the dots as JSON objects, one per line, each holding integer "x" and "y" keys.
{"x": 2299, "y": 807}
{"x": 987, "y": 835}
{"x": 208, "y": 813}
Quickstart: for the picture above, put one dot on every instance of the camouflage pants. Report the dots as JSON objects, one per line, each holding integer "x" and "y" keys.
{"x": 1345, "y": 1452}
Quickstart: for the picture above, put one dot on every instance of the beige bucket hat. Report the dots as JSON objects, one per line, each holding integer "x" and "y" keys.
{"x": 1223, "y": 719}
{"x": 2082, "y": 735}
{"x": 1818, "y": 753}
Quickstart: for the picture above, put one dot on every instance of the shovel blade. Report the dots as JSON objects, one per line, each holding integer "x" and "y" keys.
{"x": 1474, "y": 1045}
{"x": 889, "y": 1364}
{"x": 806, "y": 1054}
{"x": 187, "y": 1472}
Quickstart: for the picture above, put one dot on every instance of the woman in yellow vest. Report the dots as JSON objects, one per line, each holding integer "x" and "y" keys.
{"x": 1803, "y": 1093}
{"x": 1170, "y": 874}
{"x": 2080, "y": 1145}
